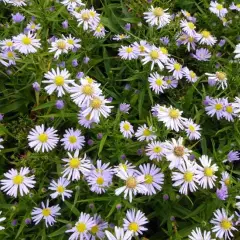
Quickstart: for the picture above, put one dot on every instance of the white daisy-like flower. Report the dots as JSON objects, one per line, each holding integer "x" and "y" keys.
{"x": 135, "y": 221}
{"x": 205, "y": 172}
{"x": 237, "y": 51}
{"x": 72, "y": 4}
{"x": 97, "y": 107}
{"x": 192, "y": 129}
{"x": 126, "y": 129}
{"x": 141, "y": 46}
{"x": 73, "y": 140}
{"x": 223, "y": 224}
{"x": 44, "y": 140}
{"x": 155, "y": 150}
{"x": 197, "y": 234}
{"x": 45, "y": 212}
{"x": 190, "y": 75}
{"x": 26, "y": 43}
{"x": 176, "y": 69}
{"x": 33, "y": 27}
{"x": 145, "y": 133}
{"x": 82, "y": 227}
{"x": 185, "y": 177}
{"x": 205, "y": 37}
{"x": 60, "y": 188}
{"x": 154, "y": 55}
{"x": 82, "y": 94}
{"x": 85, "y": 121}
{"x": 219, "y": 77}
{"x": 1, "y": 220}
{"x": 119, "y": 234}
{"x": 157, "y": 17}
{"x": 188, "y": 27}
{"x": 153, "y": 176}
{"x": 59, "y": 46}
{"x": 1, "y": 146}
{"x": 218, "y": 9}
{"x": 171, "y": 117}
{"x": 127, "y": 53}
{"x": 133, "y": 184}
{"x": 225, "y": 180}
{"x": 17, "y": 3}
{"x": 7, "y": 44}
{"x": 11, "y": 56}
{"x": 17, "y": 181}
{"x": 73, "y": 42}
{"x": 176, "y": 152}
{"x": 234, "y": 6}
{"x": 75, "y": 166}
{"x": 119, "y": 37}
{"x": 58, "y": 81}
{"x": 127, "y": 167}
{"x": 99, "y": 31}
{"x": 157, "y": 83}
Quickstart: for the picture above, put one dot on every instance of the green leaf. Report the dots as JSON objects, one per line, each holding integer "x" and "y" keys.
{"x": 103, "y": 140}
{"x": 60, "y": 231}
{"x": 72, "y": 208}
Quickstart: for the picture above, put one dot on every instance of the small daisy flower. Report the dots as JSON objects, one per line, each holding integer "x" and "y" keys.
{"x": 73, "y": 140}
{"x": 124, "y": 107}
{"x": 17, "y": 3}
{"x": 155, "y": 150}
{"x": 119, "y": 234}
{"x": 215, "y": 107}
{"x": 205, "y": 172}
{"x": 235, "y": 7}
{"x": 202, "y": 54}
{"x": 133, "y": 184}
{"x": 171, "y": 82}
{"x": 59, "y": 188}
{"x": 219, "y": 77}
{"x": 192, "y": 129}
{"x": 82, "y": 227}
{"x": 58, "y": 81}
{"x": 75, "y": 166}
{"x": 11, "y": 56}
{"x": 73, "y": 42}
{"x": 1, "y": 146}
{"x": 197, "y": 234}
{"x": 233, "y": 156}
{"x": 127, "y": 53}
{"x": 225, "y": 180}
{"x": 33, "y": 27}
{"x": 228, "y": 113}
{"x": 188, "y": 40}
{"x": 85, "y": 121}
{"x": 176, "y": 68}
{"x": 99, "y": 31}
{"x": 141, "y": 46}
{"x": 1, "y": 220}
{"x": 153, "y": 178}
{"x": 72, "y": 4}
{"x": 145, "y": 133}
{"x": 17, "y": 181}
{"x": 44, "y": 140}
{"x": 157, "y": 17}
{"x": 176, "y": 153}
{"x": 223, "y": 224}
{"x": 218, "y": 9}
{"x": 157, "y": 84}
{"x": 120, "y": 37}
{"x": 205, "y": 37}
{"x": 135, "y": 221}
{"x": 126, "y": 129}
{"x": 188, "y": 27}
{"x": 26, "y": 43}
{"x": 59, "y": 46}
{"x": 185, "y": 177}
{"x": 127, "y": 167}
{"x": 7, "y": 44}
{"x": 190, "y": 75}
{"x": 45, "y": 212}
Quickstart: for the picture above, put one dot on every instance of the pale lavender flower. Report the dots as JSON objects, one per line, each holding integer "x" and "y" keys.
{"x": 59, "y": 104}
{"x": 86, "y": 60}
{"x": 36, "y": 86}
{"x": 124, "y": 107}
{"x": 80, "y": 75}
{"x": 221, "y": 42}
{"x": 164, "y": 40}
{"x": 17, "y": 18}
{"x": 215, "y": 107}
{"x": 128, "y": 26}
{"x": 228, "y": 113}
{"x": 61, "y": 64}
{"x": 212, "y": 82}
{"x": 65, "y": 24}
{"x": 189, "y": 41}
{"x": 202, "y": 54}
{"x": 171, "y": 82}
{"x": 127, "y": 87}
{"x": 222, "y": 193}
{"x": 74, "y": 63}
{"x": 1, "y": 116}
{"x": 233, "y": 156}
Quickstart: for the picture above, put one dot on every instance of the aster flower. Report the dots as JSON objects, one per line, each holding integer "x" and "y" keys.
{"x": 11, "y": 56}
{"x": 205, "y": 172}
{"x": 218, "y": 9}
{"x": 176, "y": 68}
{"x": 45, "y": 212}
{"x": 72, "y": 4}
{"x": 188, "y": 27}
{"x": 236, "y": 106}
{"x": 185, "y": 177}
{"x": 76, "y": 165}
{"x": 85, "y": 121}
{"x": 126, "y": 166}
{"x": 225, "y": 180}
{"x": 157, "y": 17}
{"x": 222, "y": 193}
{"x": 73, "y": 140}
{"x": 120, "y": 234}
{"x": 188, "y": 40}
{"x": 26, "y": 43}
{"x": 197, "y": 234}
{"x": 59, "y": 46}
{"x": 145, "y": 133}
{"x": 126, "y": 129}
{"x": 234, "y": 6}
{"x": 233, "y": 156}
{"x": 119, "y": 37}
{"x": 17, "y": 181}
{"x": 228, "y": 113}
{"x": 127, "y": 53}
{"x": 74, "y": 43}
{"x": 190, "y": 75}
{"x": 202, "y": 54}
{"x": 238, "y": 203}
{"x": 99, "y": 31}
{"x": 155, "y": 150}
{"x": 171, "y": 82}
{"x": 124, "y": 108}
{"x": 141, "y": 46}
{"x": 164, "y": 40}
{"x": 153, "y": 176}
{"x": 156, "y": 82}
{"x": 7, "y": 44}
{"x": 33, "y": 27}
{"x": 192, "y": 129}
{"x": 215, "y": 107}
{"x": 133, "y": 184}
{"x": 219, "y": 77}
{"x": 176, "y": 153}
{"x": 41, "y": 139}
{"x": 205, "y": 37}
{"x": 17, "y": 3}
{"x": 82, "y": 227}
{"x": 223, "y": 225}
{"x": 135, "y": 221}
{"x": 60, "y": 188}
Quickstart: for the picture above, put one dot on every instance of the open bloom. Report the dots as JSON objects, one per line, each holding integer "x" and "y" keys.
{"x": 145, "y": 133}
{"x": 157, "y": 83}
{"x": 192, "y": 129}
{"x": 17, "y": 181}
{"x": 215, "y": 107}
{"x": 188, "y": 27}
{"x": 127, "y": 53}
{"x": 59, "y": 46}
{"x": 220, "y": 78}
{"x": 119, "y": 234}
{"x": 72, "y": 4}
{"x": 126, "y": 129}
{"x": 155, "y": 150}
{"x": 176, "y": 69}
{"x": 197, "y": 234}
{"x": 205, "y": 37}
{"x": 218, "y": 9}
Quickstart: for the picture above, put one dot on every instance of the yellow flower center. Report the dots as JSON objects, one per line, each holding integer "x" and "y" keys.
{"x": 158, "y": 12}
{"x": 60, "y": 189}
{"x": 141, "y": 48}
{"x": 96, "y": 103}
{"x": 187, "y": 14}
{"x": 205, "y": 34}
{"x": 157, "y": 149}
{"x": 177, "y": 66}
{"x": 92, "y": 13}
{"x": 164, "y": 50}
{"x": 100, "y": 181}
{"x": 226, "y": 224}
{"x": 72, "y": 139}
{"x": 219, "y": 6}
{"x": 229, "y": 109}
{"x": 154, "y": 54}
{"x": 33, "y": 26}
{"x": 131, "y": 182}
{"x": 121, "y": 36}
{"x": 74, "y": 163}
{"x": 9, "y": 44}
{"x": 159, "y": 82}
{"x": 190, "y": 39}
{"x": 90, "y": 80}
{"x": 61, "y": 44}
{"x": 99, "y": 28}
{"x": 81, "y": 227}
{"x": 188, "y": 176}
{"x": 238, "y": 5}
{"x": 174, "y": 113}
{"x": 192, "y": 74}
{"x": 133, "y": 227}
{"x": 43, "y": 137}
{"x": 10, "y": 54}
{"x": 129, "y": 50}
{"x": 46, "y": 212}
{"x": 146, "y": 132}
{"x": 179, "y": 151}
{"x": 227, "y": 181}
{"x": 70, "y": 41}
{"x": 18, "y": 179}
{"x": 208, "y": 172}
{"x": 148, "y": 179}
{"x": 86, "y": 16}
{"x": 221, "y": 75}
{"x": 191, "y": 25}
{"x": 126, "y": 127}
{"x": 87, "y": 89}
{"x": 94, "y": 229}
{"x": 124, "y": 166}
{"x": 218, "y": 106}
{"x": 26, "y": 40}
{"x": 191, "y": 128}
{"x": 169, "y": 81}
{"x": 59, "y": 80}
